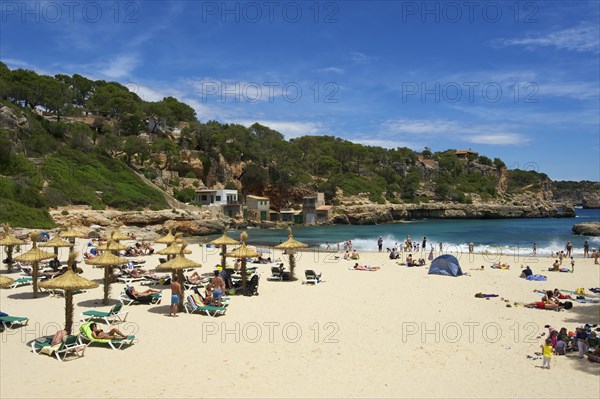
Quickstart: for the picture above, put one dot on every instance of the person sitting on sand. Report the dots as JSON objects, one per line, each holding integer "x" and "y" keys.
{"x": 555, "y": 267}
{"x": 394, "y": 254}
{"x": 346, "y": 255}
{"x": 594, "y": 356}
{"x": 355, "y": 255}
{"x": 550, "y": 306}
{"x": 112, "y": 334}
{"x": 366, "y": 267}
{"x": 526, "y": 272}
{"x": 136, "y": 294}
{"x": 410, "y": 261}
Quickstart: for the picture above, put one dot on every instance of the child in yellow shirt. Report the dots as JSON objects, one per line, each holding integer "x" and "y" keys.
{"x": 547, "y": 353}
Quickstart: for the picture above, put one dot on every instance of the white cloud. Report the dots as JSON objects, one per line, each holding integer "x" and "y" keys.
{"x": 289, "y": 129}
{"x": 120, "y": 66}
{"x": 496, "y": 134}
{"x": 581, "y": 38}
{"x": 359, "y": 58}
{"x": 331, "y": 69}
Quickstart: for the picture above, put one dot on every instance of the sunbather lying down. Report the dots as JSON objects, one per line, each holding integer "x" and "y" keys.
{"x": 112, "y": 334}
{"x": 137, "y": 293}
{"x": 550, "y": 305}
{"x": 366, "y": 267}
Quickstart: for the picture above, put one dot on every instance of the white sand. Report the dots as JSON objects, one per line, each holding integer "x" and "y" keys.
{"x": 357, "y": 334}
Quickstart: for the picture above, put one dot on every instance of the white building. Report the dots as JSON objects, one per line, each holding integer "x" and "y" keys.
{"x": 226, "y": 199}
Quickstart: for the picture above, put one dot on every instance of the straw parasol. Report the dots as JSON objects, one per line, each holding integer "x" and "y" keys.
{"x": 290, "y": 246}
{"x": 55, "y": 243}
{"x": 118, "y": 236}
{"x": 71, "y": 234}
{"x": 224, "y": 241}
{"x": 107, "y": 260}
{"x": 243, "y": 252}
{"x": 34, "y": 255}
{"x": 69, "y": 282}
{"x": 173, "y": 249}
{"x": 112, "y": 246}
{"x": 177, "y": 265}
{"x": 5, "y": 281}
{"x": 9, "y": 241}
{"x": 168, "y": 239}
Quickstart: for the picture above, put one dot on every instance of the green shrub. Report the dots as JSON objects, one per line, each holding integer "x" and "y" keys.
{"x": 18, "y": 215}
{"x": 64, "y": 212}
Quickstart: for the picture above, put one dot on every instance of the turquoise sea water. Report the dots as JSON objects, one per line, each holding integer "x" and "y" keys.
{"x": 508, "y": 235}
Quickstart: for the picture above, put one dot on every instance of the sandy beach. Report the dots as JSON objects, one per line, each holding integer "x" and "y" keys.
{"x": 387, "y": 333}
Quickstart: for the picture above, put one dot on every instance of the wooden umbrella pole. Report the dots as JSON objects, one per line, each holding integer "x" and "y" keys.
{"x": 9, "y": 266}
{"x": 244, "y": 278}
{"x": 68, "y": 310}
{"x": 35, "y": 278}
{"x": 107, "y": 270}
{"x": 292, "y": 266}
{"x": 223, "y": 258}
{"x": 180, "y": 277}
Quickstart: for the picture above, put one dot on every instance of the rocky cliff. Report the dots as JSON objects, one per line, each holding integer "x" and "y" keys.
{"x": 373, "y": 214}
{"x": 587, "y": 199}
{"x": 587, "y": 229}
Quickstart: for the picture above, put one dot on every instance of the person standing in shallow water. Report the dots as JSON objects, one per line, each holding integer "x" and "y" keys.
{"x": 534, "y": 249}
{"x": 380, "y": 243}
{"x": 586, "y": 249}
{"x": 424, "y": 244}
{"x": 568, "y": 249}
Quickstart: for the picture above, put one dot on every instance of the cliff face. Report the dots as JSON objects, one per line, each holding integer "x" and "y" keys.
{"x": 587, "y": 199}
{"x": 373, "y": 214}
{"x": 587, "y": 229}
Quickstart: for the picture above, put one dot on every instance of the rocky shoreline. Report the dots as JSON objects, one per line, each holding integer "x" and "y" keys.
{"x": 148, "y": 224}
{"x": 587, "y": 229}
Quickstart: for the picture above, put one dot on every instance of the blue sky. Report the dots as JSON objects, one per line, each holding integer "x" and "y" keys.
{"x": 515, "y": 80}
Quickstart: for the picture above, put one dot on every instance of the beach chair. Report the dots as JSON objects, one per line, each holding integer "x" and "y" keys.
{"x": 86, "y": 336}
{"x": 70, "y": 345}
{"x": 12, "y": 321}
{"x": 276, "y": 274}
{"x": 192, "y": 306}
{"x": 311, "y": 277}
{"x": 113, "y": 316}
{"x": 22, "y": 281}
{"x": 127, "y": 298}
{"x": 128, "y": 279}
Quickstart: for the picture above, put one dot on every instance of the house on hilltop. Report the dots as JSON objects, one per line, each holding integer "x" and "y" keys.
{"x": 226, "y": 200}
{"x": 466, "y": 154}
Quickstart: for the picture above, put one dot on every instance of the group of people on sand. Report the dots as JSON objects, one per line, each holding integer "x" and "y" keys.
{"x": 353, "y": 256}
{"x": 551, "y": 301}
{"x": 584, "y": 341}
{"x": 140, "y": 249}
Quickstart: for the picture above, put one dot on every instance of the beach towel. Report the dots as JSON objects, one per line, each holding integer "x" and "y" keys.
{"x": 537, "y": 277}
{"x": 480, "y": 295}
{"x": 595, "y": 290}
{"x": 585, "y": 300}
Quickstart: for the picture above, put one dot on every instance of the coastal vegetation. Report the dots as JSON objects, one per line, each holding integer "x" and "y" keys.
{"x": 69, "y": 140}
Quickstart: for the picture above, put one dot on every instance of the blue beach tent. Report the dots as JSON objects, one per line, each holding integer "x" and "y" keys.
{"x": 446, "y": 265}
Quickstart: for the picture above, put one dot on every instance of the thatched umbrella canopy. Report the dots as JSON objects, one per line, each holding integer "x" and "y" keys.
{"x": 69, "y": 282}
{"x": 243, "y": 252}
{"x": 118, "y": 236}
{"x": 9, "y": 241}
{"x": 168, "y": 239}
{"x": 34, "y": 255}
{"x": 112, "y": 246}
{"x": 177, "y": 265}
{"x": 71, "y": 235}
{"x": 172, "y": 248}
{"x": 107, "y": 260}
{"x": 5, "y": 281}
{"x": 290, "y": 246}
{"x": 224, "y": 241}
{"x": 55, "y": 243}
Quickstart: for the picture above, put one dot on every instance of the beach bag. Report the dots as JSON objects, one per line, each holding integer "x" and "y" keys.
{"x": 580, "y": 291}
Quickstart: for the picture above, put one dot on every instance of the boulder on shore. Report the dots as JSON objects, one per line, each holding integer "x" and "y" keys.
{"x": 587, "y": 229}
